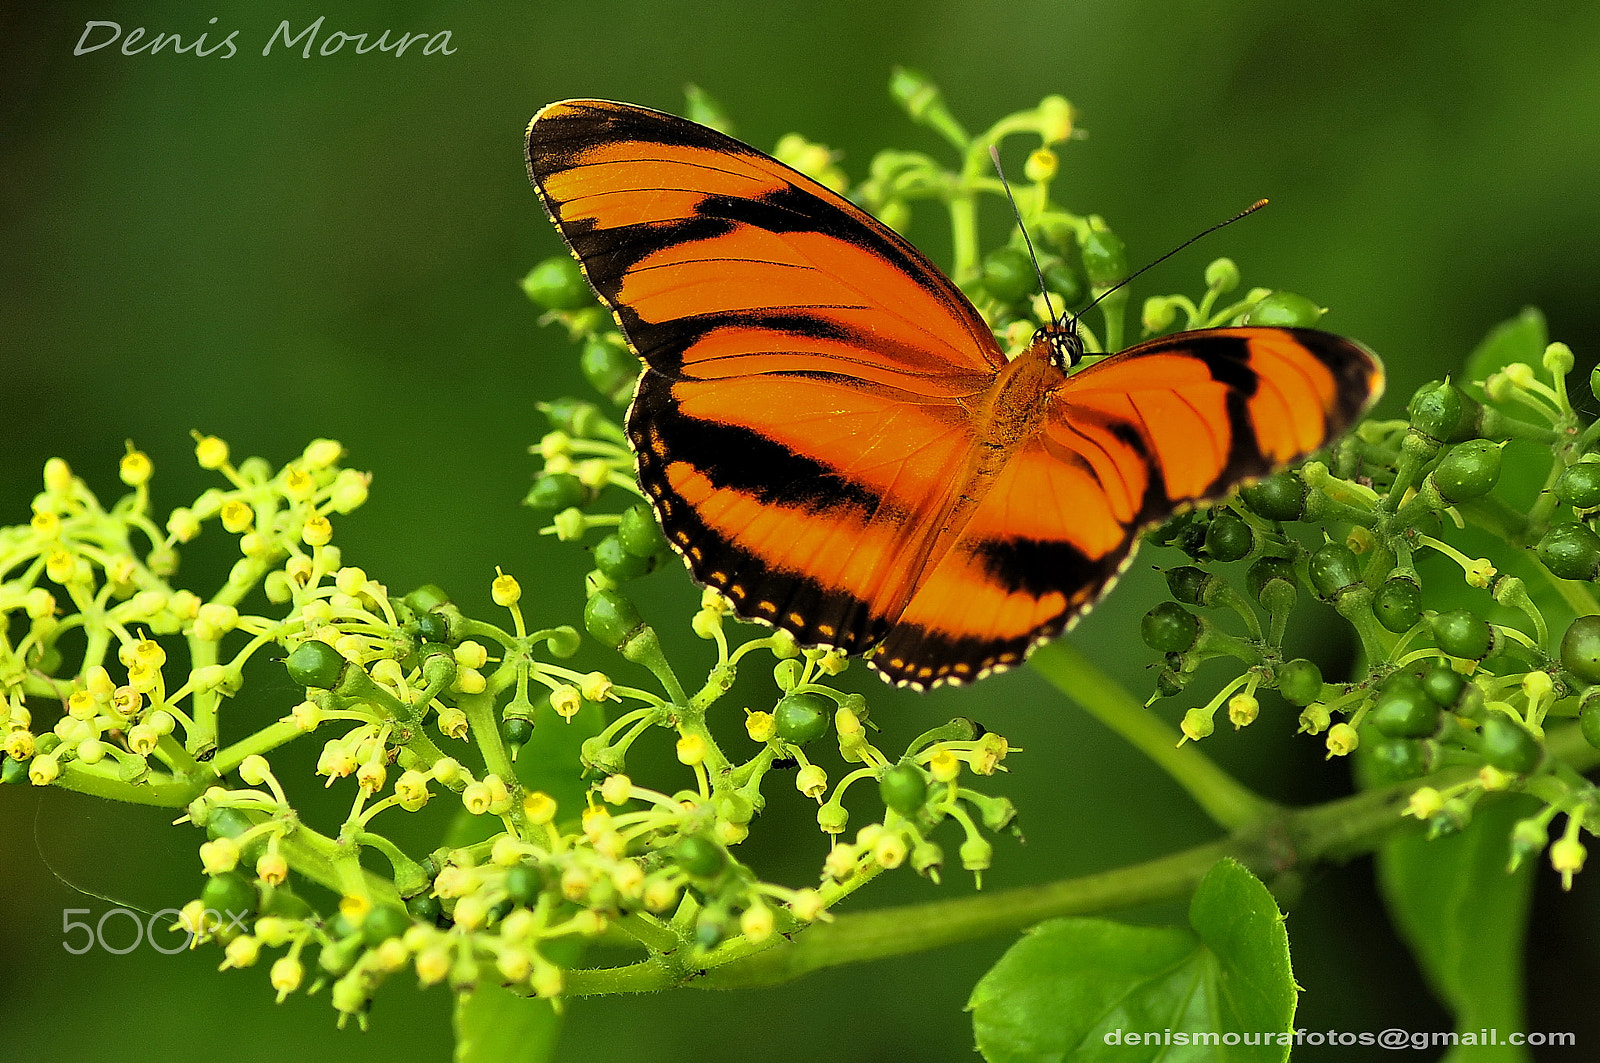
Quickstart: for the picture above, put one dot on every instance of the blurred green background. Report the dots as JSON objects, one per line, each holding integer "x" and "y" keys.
{"x": 277, "y": 248}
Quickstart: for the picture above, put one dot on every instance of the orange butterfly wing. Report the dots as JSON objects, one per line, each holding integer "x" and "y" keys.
{"x": 832, "y": 437}
{"x": 800, "y": 424}
{"x": 1125, "y": 443}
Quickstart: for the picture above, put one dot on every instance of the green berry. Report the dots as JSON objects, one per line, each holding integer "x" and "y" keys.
{"x": 523, "y": 883}
{"x": 516, "y": 731}
{"x": 1105, "y": 257}
{"x": 1167, "y": 532}
{"x": 1300, "y": 682}
{"x": 1580, "y": 649}
{"x": 1228, "y": 537}
{"x": 383, "y": 923}
{"x": 556, "y": 491}
{"x": 611, "y": 369}
{"x": 1397, "y": 759}
{"x": 1507, "y": 745}
{"x": 1404, "y": 710}
{"x": 315, "y": 664}
{"x": 1170, "y": 628}
{"x": 1061, "y": 278}
{"x": 1460, "y": 634}
{"x": 1284, "y": 309}
{"x": 1443, "y": 684}
{"x": 1187, "y": 584}
{"x": 229, "y": 893}
{"x": 1579, "y": 485}
{"x": 432, "y": 627}
{"x": 13, "y": 772}
{"x": 640, "y": 532}
{"x": 616, "y": 562}
{"x": 1333, "y": 568}
{"x": 1442, "y": 411}
{"x": 425, "y": 907}
{"x": 801, "y": 718}
{"x": 572, "y": 416}
{"x": 286, "y": 904}
{"x": 426, "y": 598}
{"x": 1469, "y": 471}
{"x": 1398, "y": 604}
{"x": 1266, "y": 569}
{"x": 904, "y": 788}
{"x": 699, "y": 856}
{"x": 611, "y": 618}
{"x": 1589, "y": 722}
{"x": 1281, "y": 496}
{"x": 1571, "y": 551}
{"x": 1008, "y": 274}
{"x": 558, "y": 284}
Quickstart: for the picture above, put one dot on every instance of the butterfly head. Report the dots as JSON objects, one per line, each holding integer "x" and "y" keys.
{"x": 1066, "y": 346}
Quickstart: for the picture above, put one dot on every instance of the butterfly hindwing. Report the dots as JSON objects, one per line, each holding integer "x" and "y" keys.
{"x": 1127, "y": 442}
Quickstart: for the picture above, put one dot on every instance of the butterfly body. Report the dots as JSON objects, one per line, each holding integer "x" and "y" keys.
{"x": 833, "y": 438}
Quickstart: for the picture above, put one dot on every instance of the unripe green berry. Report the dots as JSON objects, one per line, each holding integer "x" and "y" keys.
{"x": 1266, "y": 569}
{"x": 1579, "y": 485}
{"x": 1443, "y": 684}
{"x": 1008, "y": 274}
{"x": 1281, "y": 496}
{"x": 1397, "y": 759}
{"x": 1469, "y": 471}
{"x": 229, "y": 893}
{"x": 1571, "y": 551}
{"x": 1300, "y": 682}
{"x": 315, "y": 664}
{"x": 557, "y": 284}
{"x": 611, "y": 618}
{"x": 617, "y": 563}
{"x": 1333, "y": 568}
{"x": 556, "y": 491}
{"x": 1169, "y": 628}
{"x": 1284, "y": 309}
{"x": 1187, "y": 584}
{"x": 699, "y": 856}
{"x": 1228, "y": 538}
{"x": 1398, "y": 604}
{"x": 1443, "y": 412}
{"x": 640, "y": 532}
{"x": 1461, "y": 634}
{"x": 1105, "y": 257}
{"x": 1404, "y": 710}
{"x": 1061, "y": 278}
{"x": 609, "y": 368}
{"x": 1507, "y": 745}
{"x": 1589, "y": 721}
{"x": 802, "y": 718}
{"x": 904, "y": 788}
{"x": 1580, "y": 649}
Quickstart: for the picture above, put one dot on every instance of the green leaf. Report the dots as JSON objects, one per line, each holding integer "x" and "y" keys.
{"x": 1520, "y": 339}
{"x": 494, "y": 1025}
{"x": 1079, "y": 989}
{"x": 1465, "y": 919}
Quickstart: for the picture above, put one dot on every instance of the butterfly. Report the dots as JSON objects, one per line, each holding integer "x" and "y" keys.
{"x": 832, "y": 437}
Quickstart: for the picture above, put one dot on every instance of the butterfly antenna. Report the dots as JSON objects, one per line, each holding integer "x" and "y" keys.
{"x": 994, "y": 153}
{"x": 1246, "y": 212}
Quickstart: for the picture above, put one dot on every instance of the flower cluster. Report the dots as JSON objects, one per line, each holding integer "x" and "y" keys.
{"x": 119, "y": 678}
{"x": 1469, "y": 674}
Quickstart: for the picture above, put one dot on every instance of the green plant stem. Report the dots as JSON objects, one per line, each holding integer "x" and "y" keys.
{"x": 1288, "y": 842}
{"x": 1229, "y": 803}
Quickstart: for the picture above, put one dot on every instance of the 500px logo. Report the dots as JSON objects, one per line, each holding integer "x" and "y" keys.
{"x": 171, "y": 938}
